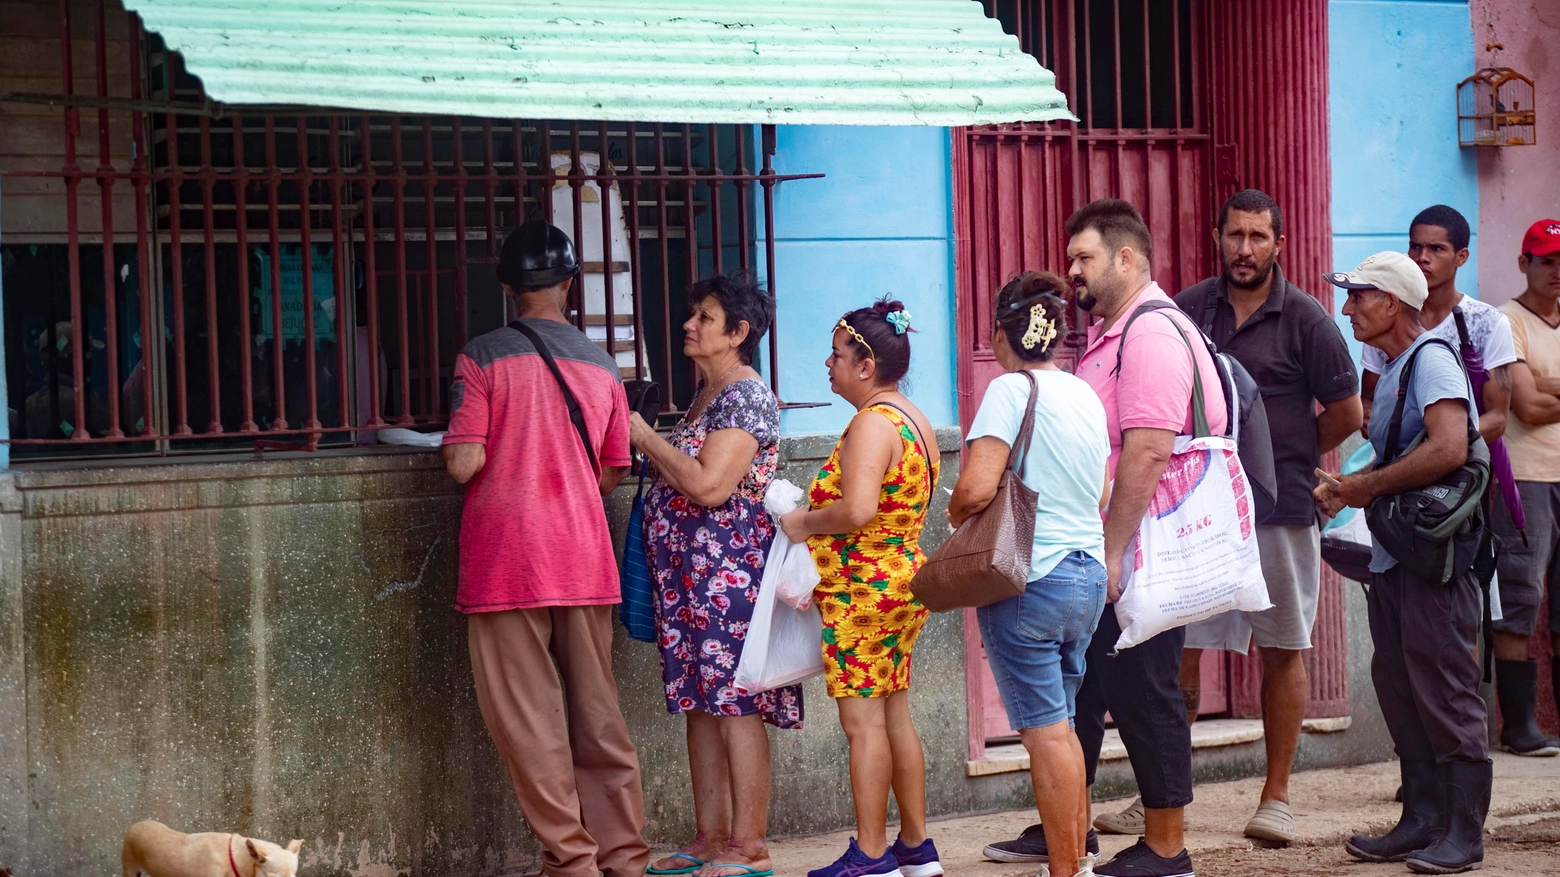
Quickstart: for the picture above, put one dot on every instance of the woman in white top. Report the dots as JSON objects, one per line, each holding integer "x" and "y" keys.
{"x": 1036, "y": 641}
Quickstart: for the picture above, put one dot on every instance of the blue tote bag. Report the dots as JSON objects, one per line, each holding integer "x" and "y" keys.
{"x": 637, "y": 611}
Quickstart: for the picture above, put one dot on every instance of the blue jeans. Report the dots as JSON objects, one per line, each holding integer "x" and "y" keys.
{"x": 1036, "y": 642}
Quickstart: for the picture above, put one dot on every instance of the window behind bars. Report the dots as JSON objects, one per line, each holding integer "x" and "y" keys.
{"x": 305, "y": 276}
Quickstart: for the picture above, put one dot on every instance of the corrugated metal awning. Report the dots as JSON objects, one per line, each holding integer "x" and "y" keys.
{"x": 850, "y": 62}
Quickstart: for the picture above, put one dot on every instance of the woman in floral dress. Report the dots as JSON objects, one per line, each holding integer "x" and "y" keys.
{"x": 868, "y": 505}
{"x": 708, "y": 536}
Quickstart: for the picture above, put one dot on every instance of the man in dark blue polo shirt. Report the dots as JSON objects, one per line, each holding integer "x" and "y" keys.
{"x": 1295, "y": 352}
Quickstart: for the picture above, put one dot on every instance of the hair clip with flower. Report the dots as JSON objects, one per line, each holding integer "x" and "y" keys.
{"x": 900, "y": 321}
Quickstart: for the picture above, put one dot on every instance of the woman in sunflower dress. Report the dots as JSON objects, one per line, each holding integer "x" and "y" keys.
{"x": 867, "y": 507}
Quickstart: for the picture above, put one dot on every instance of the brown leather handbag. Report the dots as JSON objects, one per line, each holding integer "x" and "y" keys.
{"x": 987, "y": 557}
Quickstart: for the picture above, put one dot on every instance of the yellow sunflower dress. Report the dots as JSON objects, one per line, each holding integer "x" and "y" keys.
{"x": 870, "y": 618}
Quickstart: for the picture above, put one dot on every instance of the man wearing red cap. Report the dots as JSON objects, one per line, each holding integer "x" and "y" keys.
{"x": 1528, "y": 558}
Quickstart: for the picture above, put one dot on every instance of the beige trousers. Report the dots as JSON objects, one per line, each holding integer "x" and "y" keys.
{"x": 545, "y": 686}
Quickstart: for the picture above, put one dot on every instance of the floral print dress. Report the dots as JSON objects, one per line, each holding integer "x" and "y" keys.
{"x": 870, "y": 617}
{"x": 707, "y": 563}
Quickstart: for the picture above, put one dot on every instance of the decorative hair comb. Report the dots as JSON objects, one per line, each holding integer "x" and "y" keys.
{"x": 1042, "y": 329}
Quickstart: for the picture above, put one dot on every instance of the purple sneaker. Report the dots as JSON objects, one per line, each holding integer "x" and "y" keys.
{"x": 918, "y": 861}
{"x": 855, "y": 863}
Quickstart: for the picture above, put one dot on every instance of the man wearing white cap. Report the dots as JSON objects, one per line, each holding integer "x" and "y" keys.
{"x": 1425, "y": 634}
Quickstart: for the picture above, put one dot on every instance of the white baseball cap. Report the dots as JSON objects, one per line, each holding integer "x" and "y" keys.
{"x": 1389, "y": 272}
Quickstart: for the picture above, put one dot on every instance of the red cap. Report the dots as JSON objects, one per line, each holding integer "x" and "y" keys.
{"x": 1542, "y": 238}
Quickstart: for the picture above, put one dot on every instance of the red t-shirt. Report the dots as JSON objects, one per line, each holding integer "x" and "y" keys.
{"x": 534, "y": 532}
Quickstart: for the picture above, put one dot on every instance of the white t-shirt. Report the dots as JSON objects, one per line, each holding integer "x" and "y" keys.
{"x": 1488, "y": 329}
{"x": 1066, "y": 460}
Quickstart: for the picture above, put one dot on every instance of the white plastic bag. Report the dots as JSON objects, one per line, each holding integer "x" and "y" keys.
{"x": 791, "y": 564}
{"x": 1195, "y": 554}
{"x": 783, "y": 646}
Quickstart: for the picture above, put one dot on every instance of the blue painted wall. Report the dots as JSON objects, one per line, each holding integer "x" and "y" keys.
{"x": 1394, "y": 66}
{"x": 879, "y": 222}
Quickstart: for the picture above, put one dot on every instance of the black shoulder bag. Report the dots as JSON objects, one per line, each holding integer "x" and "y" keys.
{"x": 1434, "y": 531}
{"x": 576, "y": 414}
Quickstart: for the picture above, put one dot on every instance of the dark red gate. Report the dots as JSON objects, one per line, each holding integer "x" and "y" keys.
{"x": 1179, "y": 104}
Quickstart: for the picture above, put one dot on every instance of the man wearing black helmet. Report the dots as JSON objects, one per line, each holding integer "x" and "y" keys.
{"x": 538, "y": 434}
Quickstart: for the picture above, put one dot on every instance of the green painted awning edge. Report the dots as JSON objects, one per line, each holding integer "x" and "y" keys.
{"x": 795, "y": 62}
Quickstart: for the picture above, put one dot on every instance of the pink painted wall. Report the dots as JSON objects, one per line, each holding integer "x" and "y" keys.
{"x": 1517, "y": 184}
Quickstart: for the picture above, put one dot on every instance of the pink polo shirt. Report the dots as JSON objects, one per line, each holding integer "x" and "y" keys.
{"x": 1154, "y": 389}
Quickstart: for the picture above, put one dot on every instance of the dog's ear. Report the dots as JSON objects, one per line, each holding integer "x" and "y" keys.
{"x": 254, "y": 853}
{"x": 294, "y": 847}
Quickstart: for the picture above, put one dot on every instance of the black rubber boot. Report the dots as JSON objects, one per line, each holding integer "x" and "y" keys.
{"x": 1422, "y": 823}
{"x": 1516, "y": 685}
{"x": 1461, "y": 847}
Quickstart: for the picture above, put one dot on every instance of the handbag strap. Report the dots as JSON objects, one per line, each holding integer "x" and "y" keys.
{"x": 1395, "y": 427}
{"x": 918, "y": 437}
{"x": 1019, "y": 454}
{"x": 576, "y": 414}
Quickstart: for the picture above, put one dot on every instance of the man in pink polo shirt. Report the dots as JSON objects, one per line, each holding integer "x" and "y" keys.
{"x": 1147, "y": 404}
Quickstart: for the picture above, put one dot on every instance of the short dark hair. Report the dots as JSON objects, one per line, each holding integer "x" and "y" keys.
{"x": 1253, "y": 201}
{"x": 890, "y": 348}
{"x": 1118, "y": 223}
{"x": 743, "y": 299}
{"x": 1032, "y": 289}
{"x": 1445, "y": 217}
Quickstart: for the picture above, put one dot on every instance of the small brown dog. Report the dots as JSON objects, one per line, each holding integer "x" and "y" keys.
{"x": 156, "y": 850}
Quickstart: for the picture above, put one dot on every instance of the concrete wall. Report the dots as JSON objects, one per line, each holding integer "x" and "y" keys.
{"x": 1393, "y": 68}
{"x": 880, "y": 222}
{"x": 269, "y": 648}
{"x": 1518, "y": 185}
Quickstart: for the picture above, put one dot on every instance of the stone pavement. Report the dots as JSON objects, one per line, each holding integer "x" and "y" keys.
{"x": 1329, "y": 804}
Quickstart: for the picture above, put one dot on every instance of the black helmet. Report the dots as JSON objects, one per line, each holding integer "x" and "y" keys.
{"x": 536, "y": 255}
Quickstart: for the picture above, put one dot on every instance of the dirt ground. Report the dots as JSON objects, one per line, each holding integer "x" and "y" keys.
{"x": 1519, "y": 850}
{"x": 1329, "y": 804}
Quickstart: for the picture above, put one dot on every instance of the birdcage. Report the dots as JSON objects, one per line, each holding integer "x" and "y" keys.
{"x": 1495, "y": 108}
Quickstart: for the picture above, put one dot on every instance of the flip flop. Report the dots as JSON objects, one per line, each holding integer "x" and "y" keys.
{"x": 747, "y": 870}
{"x": 697, "y": 864}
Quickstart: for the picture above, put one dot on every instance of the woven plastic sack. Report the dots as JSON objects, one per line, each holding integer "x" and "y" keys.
{"x": 1195, "y": 555}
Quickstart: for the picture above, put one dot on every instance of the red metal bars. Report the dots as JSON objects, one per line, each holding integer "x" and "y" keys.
{"x": 306, "y": 246}
{"x": 278, "y": 372}
{"x": 697, "y": 186}
{"x": 106, "y": 192}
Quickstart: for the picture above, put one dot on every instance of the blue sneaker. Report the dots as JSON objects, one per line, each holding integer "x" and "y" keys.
{"x": 918, "y": 861}
{"x": 855, "y": 863}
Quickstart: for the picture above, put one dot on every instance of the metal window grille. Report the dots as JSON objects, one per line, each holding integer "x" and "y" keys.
{"x": 1133, "y": 71}
{"x": 226, "y": 275}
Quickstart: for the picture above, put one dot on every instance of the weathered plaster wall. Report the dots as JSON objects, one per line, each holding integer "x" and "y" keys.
{"x": 269, "y": 647}
{"x": 1393, "y": 68}
{"x": 1518, "y": 185}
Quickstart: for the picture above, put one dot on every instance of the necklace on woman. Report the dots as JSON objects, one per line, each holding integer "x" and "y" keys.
{"x": 710, "y": 388}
